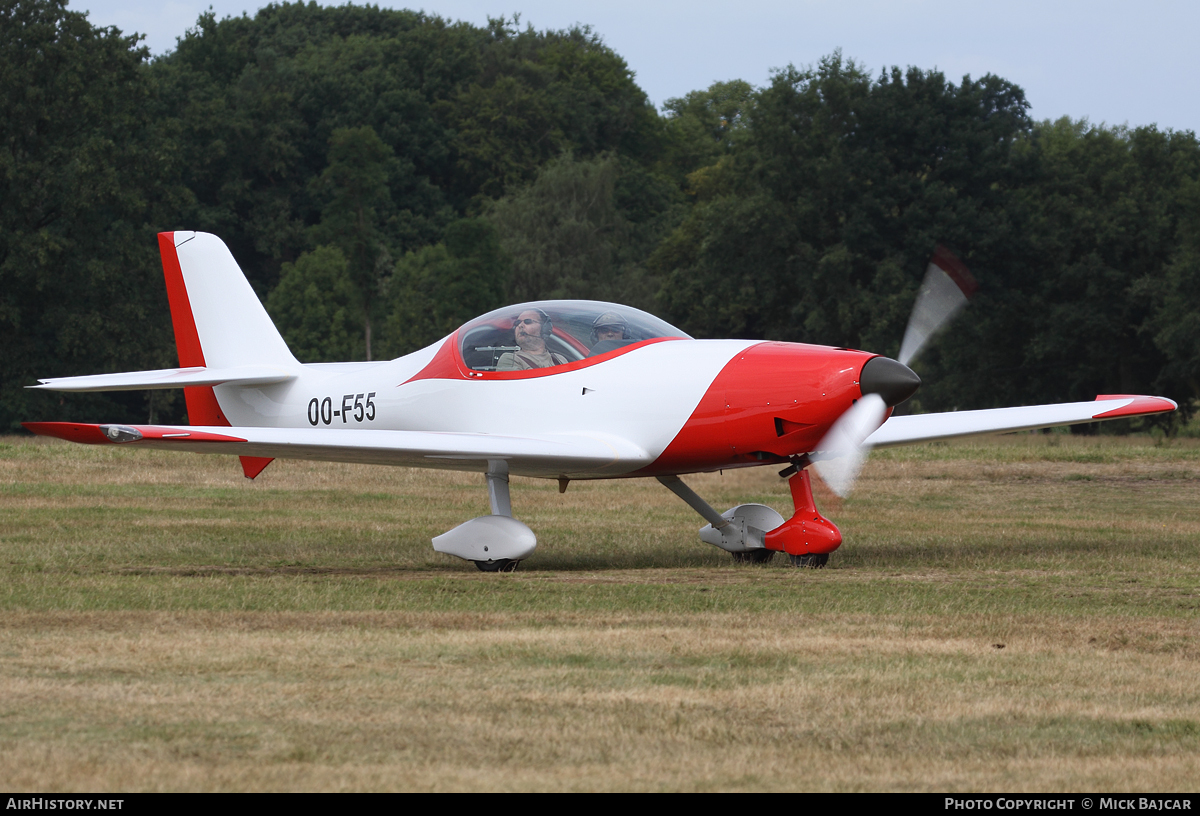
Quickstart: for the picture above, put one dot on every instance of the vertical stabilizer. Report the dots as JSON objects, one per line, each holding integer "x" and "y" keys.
{"x": 219, "y": 321}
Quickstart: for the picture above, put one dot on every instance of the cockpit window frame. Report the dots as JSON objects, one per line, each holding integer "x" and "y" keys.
{"x": 563, "y": 341}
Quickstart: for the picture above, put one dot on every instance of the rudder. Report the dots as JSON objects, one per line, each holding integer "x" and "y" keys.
{"x": 219, "y": 321}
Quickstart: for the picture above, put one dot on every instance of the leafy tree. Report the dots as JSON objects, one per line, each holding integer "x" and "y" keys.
{"x": 1174, "y": 323}
{"x": 438, "y": 288}
{"x": 257, "y": 99}
{"x": 83, "y": 173}
{"x": 316, "y": 308}
{"x": 1076, "y": 312}
{"x": 562, "y": 231}
{"x": 701, "y": 127}
{"x": 537, "y": 96}
{"x": 583, "y": 229}
{"x": 818, "y": 223}
{"x": 359, "y": 215}
{"x": 1099, "y": 222}
{"x": 466, "y": 112}
{"x": 502, "y": 164}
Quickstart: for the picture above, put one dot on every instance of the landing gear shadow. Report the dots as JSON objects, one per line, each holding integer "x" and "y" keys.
{"x": 753, "y": 557}
{"x": 502, "y": 565}
{"x": 765, "y": 556}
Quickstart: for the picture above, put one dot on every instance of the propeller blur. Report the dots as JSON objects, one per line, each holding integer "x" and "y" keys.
{"x": 947, "y": 287}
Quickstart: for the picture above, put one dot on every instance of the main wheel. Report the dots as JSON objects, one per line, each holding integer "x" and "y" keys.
{"x": 753, "y": 556}
{"x": 811, "y": 561}
{"x": 502, "y": 565}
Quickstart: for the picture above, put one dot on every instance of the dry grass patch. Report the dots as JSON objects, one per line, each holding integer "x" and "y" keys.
{"x": 712, "y": 702}
{"x": 1014, "y": 614}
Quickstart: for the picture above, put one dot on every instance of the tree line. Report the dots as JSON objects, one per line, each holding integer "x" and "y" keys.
{"x": 383, "y": 176}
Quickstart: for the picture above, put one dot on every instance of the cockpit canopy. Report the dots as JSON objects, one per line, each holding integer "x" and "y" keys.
{"x": 569, "y": 330}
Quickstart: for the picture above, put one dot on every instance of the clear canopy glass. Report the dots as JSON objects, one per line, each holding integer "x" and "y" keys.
{"x": 550, "y": 333}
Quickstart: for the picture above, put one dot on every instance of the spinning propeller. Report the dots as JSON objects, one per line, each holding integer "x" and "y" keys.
{"x": 885, "y": 382}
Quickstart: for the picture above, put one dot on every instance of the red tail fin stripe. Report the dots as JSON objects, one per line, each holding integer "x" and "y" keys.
{"x": 202, "y": 405}
{"x": 187, "y": 339}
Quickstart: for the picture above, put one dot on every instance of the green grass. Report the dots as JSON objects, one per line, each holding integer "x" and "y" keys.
{"x": 1013, "y": 614}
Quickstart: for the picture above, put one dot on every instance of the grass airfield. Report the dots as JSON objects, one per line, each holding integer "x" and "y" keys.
{"x": 1020, "y": 613}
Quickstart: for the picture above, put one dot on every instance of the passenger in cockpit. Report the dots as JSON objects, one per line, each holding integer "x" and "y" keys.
{"x": 531, "y": 329}
{"x": 609, "y": 331}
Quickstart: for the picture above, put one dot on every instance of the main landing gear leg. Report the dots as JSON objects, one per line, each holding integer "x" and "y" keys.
{"x": 495, "y": 543}
{"x": 497, "y": 485}
{"x": 740, "y": 531}
{"x": 501, "y": 504}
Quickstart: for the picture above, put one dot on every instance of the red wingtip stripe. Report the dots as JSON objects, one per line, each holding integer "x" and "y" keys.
{"x": 1140, "y": 406}
{"x": 71, "y": 431}
{"x": 90, "y": 433}
{"x": 949, "y": 263}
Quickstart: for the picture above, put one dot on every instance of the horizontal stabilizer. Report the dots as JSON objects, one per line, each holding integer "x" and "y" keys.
{"x": 169, "y": 378}
{"x": 90, "y": 434}
{"x": 552, "y": 455}
{"x": 906, "y": 430}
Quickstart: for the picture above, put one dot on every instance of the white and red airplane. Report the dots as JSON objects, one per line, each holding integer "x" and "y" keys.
{"x": 621, "y": 394}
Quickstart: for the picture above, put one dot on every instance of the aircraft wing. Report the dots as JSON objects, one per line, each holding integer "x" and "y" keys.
{"x": 573, "y": 455}
{"x": 168, "y": 378}
{"x": 906, "y": 430}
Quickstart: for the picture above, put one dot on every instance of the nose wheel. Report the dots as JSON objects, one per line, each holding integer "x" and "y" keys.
{"x": 810, "y": 561}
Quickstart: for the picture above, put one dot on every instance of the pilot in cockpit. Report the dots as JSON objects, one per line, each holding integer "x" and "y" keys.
{"x": 531, "y": 329}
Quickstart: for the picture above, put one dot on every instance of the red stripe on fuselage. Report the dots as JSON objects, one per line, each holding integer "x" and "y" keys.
{"x": 447, "y": 363}
{"x": 806, "y": 387}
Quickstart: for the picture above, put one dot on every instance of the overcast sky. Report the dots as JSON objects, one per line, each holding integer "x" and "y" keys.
{"x": 1112, "y": 62}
